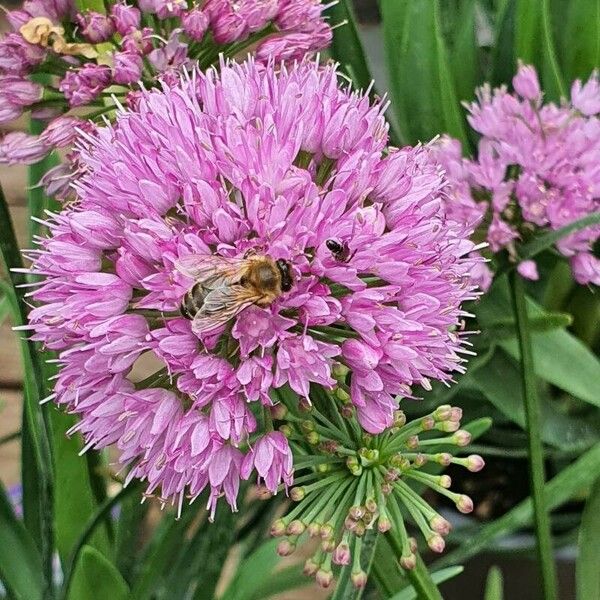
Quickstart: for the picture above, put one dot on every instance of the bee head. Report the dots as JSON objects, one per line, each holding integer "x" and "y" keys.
{"x": 334, "y": 246}
{"x": 286, "y": 274}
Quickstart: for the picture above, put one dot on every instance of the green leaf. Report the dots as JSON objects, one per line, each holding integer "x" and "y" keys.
{"x": 421, "y": 86}
{"x": 587, "y": 571}
{"x": 96, "y": 578}
{"x": 258, "y": 576}
{"x": 543, "y": 242}
{"x": 499, "y": 382}
{"x": 37, "y": 463}
{"x": 438, "y": 577}
{"x": 91, "y": 526}
{"x": 505, "y": 328}
{"x": 5, "y": 308}
{"x": 95, "y": 5}
{"x": 20, "y": 563}
{"x": 464, "y": 54}
{"x": 557, "y": 491}
{"x": 582, "y": 38}
{"x": 575, "y": 369}
{"x": 74, "y": 500}
{"x": 346, "y": 46}
{"x": 494, "y": 585}
{"x": 128, "y": 535}
{"x": 503, "y": 51}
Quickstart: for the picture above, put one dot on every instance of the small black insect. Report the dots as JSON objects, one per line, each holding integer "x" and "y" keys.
{"x": 339, "y": 249}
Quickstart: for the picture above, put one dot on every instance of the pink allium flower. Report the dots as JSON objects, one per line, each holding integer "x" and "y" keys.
{"x": 95, "y": 27}
{"x": 18, "y": 56}
{"x": 21, "y": 148}
{"x": 249, "y": 162}
{"x": 127, "y": 67}
{"x": 272, "y": 458}
{"x": 125, "y": 17}
{"x": 536, "y": 169}
{"x": 85, "y": 84}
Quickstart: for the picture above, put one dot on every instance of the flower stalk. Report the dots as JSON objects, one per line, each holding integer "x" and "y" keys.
{"x": 534, "y": 441}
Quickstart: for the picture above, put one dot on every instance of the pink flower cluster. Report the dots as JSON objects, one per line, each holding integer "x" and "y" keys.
{"x": 149, "y": 41}
{"x": 276, "y": 162}
{"x": 537, "y": 168}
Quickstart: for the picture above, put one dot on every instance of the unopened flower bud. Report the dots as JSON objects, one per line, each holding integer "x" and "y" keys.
{"x": 412, "y": 442}
{"x": 442, "y": 413}
{"x": 399, "y": 418}
{"x": 448, "y": 426}
{"x": 286, "y": 430}
{"x": 296, "y": 527}
{"x": 328, "y": 545}
{"x": 278, "y": 528}
{"x": 341, "y": 554}
{"x": 310, "y": 567}
{"x": 440, "y": 525}
{"x": 285, "y": 548}
{"x": 464, "y": 504}
{"x": 323, "y": 468}
{"x": 347, "y": 411}
{"x": 408, "y": 561}
{"x": 445, "y": 481}
{"x": 313, "y": 529}
{"x": 371, "y": 505}
{"x": 427, "y": 423}
{"x": 443, "y": 458}
{"x": 195, "y": 23}
{"x": 305, "y": 405}
{"x": 342, "y": 395}
{"x": 307, "y": 426}
{"x": 339, "y": 371}
{"x": 412, "y": 544}
{"x": 324, "y": 578}
{"x": 462, "y": 438}
{"x": 456, "y": 414}
{"x": 326, "y": 532}
{"x": 359, "y": 579}
{"x": 279, "y": 411}
{"x": 357, "y": 512}
{"x": 436, "y": 543}
{"x": 125, "y": 17}
{"x": 312, "y": 438}
{"x": 95, "y": 27}
{"x": 383, "y": 524}
{"x": 420, "y": 460}
{"x": 386, "y": 488}
{"x": 350, "y": 523}
{"x": 297, "y": 494}
{"x": 360, "y": 529}
{"x": 475, "y": 463}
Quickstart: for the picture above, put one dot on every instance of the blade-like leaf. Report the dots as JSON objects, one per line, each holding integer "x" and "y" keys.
{"x": 95, "y": 5}
{"x": 346, "y": 46}
{"x": 20, "y": 563}
{"x": 582, "y": 38}
{"x": 543, "y": 242}
{"x": 494, "y": 586}
{"x": 503, "y": 58}
{"x": 505, "y": 328}
{"x": 464, "y": 54}
{"x": 438, "y": 577}
{"x": 499, "y": 382}
{"x": 96, "y": 577}
{"x": 421, "y": 85}
{"x": 557, "y": 491}
{"x": 588, "y": 573}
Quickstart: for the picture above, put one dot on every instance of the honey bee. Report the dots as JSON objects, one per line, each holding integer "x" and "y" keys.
{"x": 339, "y": 249}
{"x": 226, "y": 286}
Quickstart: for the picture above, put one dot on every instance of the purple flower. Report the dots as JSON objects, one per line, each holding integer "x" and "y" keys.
{"x": 125, "y": 17}
{"x": 127, "y": 67}
{"x": 251, "y": 162}
{"x": 18, "y": 56}
{"x": 83, "y": 85}
{"x": 272, "y": 458}
{"x": 62, "y": 131}
{"x": 536, "y": 166}
{"x": 195, "y": 23}
{"x": 528, "y": 270}
{"x": 526, "y": 83}
{"x": 586, "y": 268}
{"x": 20, "y": 91}
{"x": 95, "y": 27}
{"x": 22, "y": 148}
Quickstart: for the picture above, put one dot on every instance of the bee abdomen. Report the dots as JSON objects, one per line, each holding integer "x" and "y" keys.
{"x": 192, "y": 301}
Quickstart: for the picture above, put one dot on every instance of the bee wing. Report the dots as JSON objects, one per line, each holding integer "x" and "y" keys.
{"x": 221, "y": 305}
{"x": 211, "y": 270}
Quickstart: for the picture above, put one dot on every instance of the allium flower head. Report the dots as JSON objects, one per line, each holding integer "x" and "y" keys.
{"x": 536, "y": 169}
{"x": 223, "y": 169}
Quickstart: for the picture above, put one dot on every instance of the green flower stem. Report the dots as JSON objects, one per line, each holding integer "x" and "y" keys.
{"x": 419, "y": 577}
{"x": 535, "y": 448}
